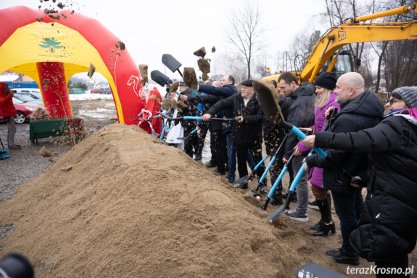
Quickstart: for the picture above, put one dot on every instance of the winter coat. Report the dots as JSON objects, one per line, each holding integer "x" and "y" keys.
{"x": 250, "y": 129}
{"x": 388, "y": 225}
{"x": 7, "y": 108}
{"x": 298, "y": 110}
{"x": 362, "y": 112}
{"x": 316, "y": 174}
{"x": 221, "y": 93}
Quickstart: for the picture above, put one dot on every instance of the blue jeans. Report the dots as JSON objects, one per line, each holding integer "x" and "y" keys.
{"x": 348, "y": 207}
{"x": 231, "y": 158}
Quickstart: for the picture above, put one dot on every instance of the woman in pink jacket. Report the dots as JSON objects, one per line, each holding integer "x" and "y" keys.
{"x": 325, "y": 99}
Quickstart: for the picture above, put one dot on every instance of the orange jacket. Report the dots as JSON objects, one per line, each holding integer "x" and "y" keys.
{"x": 6, "y": 102}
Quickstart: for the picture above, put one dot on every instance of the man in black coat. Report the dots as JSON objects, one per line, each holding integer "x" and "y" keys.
{"x": 298, "y": 109}
{"x": 247, "y": 129}
{"x": 388, "y": 228}
{"x": 358, "y": 110}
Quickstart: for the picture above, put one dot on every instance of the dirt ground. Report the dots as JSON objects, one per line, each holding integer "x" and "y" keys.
{"x": 120, "y": 204}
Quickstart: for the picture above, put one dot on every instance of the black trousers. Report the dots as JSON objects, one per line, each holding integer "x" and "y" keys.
{"x": 219, "y": 140}
{"x": 242, "y": 152}
{"x": 190, "y": 140}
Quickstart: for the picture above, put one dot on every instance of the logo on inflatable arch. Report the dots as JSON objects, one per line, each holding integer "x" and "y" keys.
{"x": 134, "y": 82}
{"x": 51, "y": 44}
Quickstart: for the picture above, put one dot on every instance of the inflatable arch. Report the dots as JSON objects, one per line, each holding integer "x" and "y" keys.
{"x": 52, "y": 50}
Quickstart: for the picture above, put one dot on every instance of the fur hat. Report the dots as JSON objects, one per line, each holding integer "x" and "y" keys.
{"x": 326, "y": 80}
{"x": 408, "y": 94}
{"x": 247, "y": 83}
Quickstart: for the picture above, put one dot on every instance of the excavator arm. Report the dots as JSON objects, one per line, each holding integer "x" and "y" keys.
{"x": 356, "y": 31}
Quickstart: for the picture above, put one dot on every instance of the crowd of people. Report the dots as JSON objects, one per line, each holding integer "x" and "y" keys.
{"x": 364, "y": 147}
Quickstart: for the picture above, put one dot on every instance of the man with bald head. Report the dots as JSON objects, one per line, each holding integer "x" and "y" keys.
{"x": 359, "y": 110}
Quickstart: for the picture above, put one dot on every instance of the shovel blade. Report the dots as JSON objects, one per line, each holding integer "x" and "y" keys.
{"x": 159, "y": 77}
{"x": 269, "y": 100}
{"x": 242, "y": 182}
{"x": 170, "y": 62}
{"x": 277, "y": 213}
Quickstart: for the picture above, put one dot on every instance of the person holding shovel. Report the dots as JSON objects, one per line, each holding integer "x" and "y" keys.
{"x": 387, "y": 231}
{"x": 247, "y": 130}
{"x": 298, "y": 109}
{"x": 8, "y": 111}
{"x": 358, "y": 110}
{"x": 325, "y": 99}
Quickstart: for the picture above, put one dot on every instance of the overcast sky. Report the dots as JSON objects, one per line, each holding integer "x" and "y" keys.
{"x": 153, "y": 27}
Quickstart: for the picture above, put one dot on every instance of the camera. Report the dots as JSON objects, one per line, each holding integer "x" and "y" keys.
{"x": 15, "y": 265}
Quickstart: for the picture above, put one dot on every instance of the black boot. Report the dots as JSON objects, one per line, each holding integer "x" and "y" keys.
{"x": 327, "y": 223}
{"x": 324, "y": 229}
{"x": 316, "y": 226}
{"x": 346, "y": 257}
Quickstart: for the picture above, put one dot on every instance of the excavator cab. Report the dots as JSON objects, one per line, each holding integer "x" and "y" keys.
{"x": 342, "y": 64}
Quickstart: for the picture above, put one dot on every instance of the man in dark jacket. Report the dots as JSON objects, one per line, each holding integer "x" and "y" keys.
{"x": 388, "y": 228}
{"x": 298, "y": 109}
{"x": 247, "y": 129}
{"x": 222, "y": 139}
{"x": 359, "y": 110}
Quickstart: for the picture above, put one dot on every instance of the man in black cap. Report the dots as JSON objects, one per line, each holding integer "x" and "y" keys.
{"x": 247, "y": 129}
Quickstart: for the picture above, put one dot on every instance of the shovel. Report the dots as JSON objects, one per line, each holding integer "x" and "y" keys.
{"x": 159, "y": 78}
{"x": 170, "y": 62}
{"x": 276, "y": 183}
{"x": 243, "y": 181}
{"x": 196, "y": 118}
{"x": 274, "y": 157}
{"x": 279, "y": 211}
{"x": 272, "y": 110}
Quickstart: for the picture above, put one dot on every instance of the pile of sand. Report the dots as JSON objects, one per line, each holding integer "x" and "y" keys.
{"x": 122, "y": 205}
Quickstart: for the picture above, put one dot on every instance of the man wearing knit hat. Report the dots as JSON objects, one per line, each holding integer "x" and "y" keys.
{"x": 8, "y": 111}
{"x": 387, "y": 230}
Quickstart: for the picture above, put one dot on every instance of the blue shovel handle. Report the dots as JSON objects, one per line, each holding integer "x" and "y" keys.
{"x": 302, "y": 136}
{"x": 193, "y": 118}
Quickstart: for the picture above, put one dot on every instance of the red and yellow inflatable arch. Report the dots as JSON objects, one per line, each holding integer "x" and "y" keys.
{"x": 52, "y": 50}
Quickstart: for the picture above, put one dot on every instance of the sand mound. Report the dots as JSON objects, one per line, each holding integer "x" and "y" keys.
{"x": 122, "y": 205}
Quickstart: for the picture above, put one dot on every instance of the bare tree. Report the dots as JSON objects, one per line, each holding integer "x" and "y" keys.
{"x": 399, "y": 59}
{"x": 246, "y": 32}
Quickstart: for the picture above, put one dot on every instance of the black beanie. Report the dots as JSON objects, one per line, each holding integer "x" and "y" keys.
{"x": 407, "y": 94}
{"x": 326, "y": 80}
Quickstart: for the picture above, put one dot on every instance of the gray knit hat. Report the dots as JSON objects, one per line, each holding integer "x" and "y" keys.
{"x": 408, "y": 94}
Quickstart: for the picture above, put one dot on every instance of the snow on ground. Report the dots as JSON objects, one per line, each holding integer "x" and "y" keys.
{"x": 88, "y": 96}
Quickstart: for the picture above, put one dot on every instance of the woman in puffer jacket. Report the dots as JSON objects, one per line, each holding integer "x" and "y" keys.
{"x": 387, "y": 230}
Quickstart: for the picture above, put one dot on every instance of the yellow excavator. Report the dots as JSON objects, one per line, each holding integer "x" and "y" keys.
{"x": 327, "y": 51}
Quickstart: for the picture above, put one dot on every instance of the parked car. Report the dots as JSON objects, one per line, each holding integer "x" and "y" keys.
{"x": 23, "y": 109}
{"x": 32, "y": 92}
{"x": 27, "y": 97}
{"x": 100, "y": 90}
